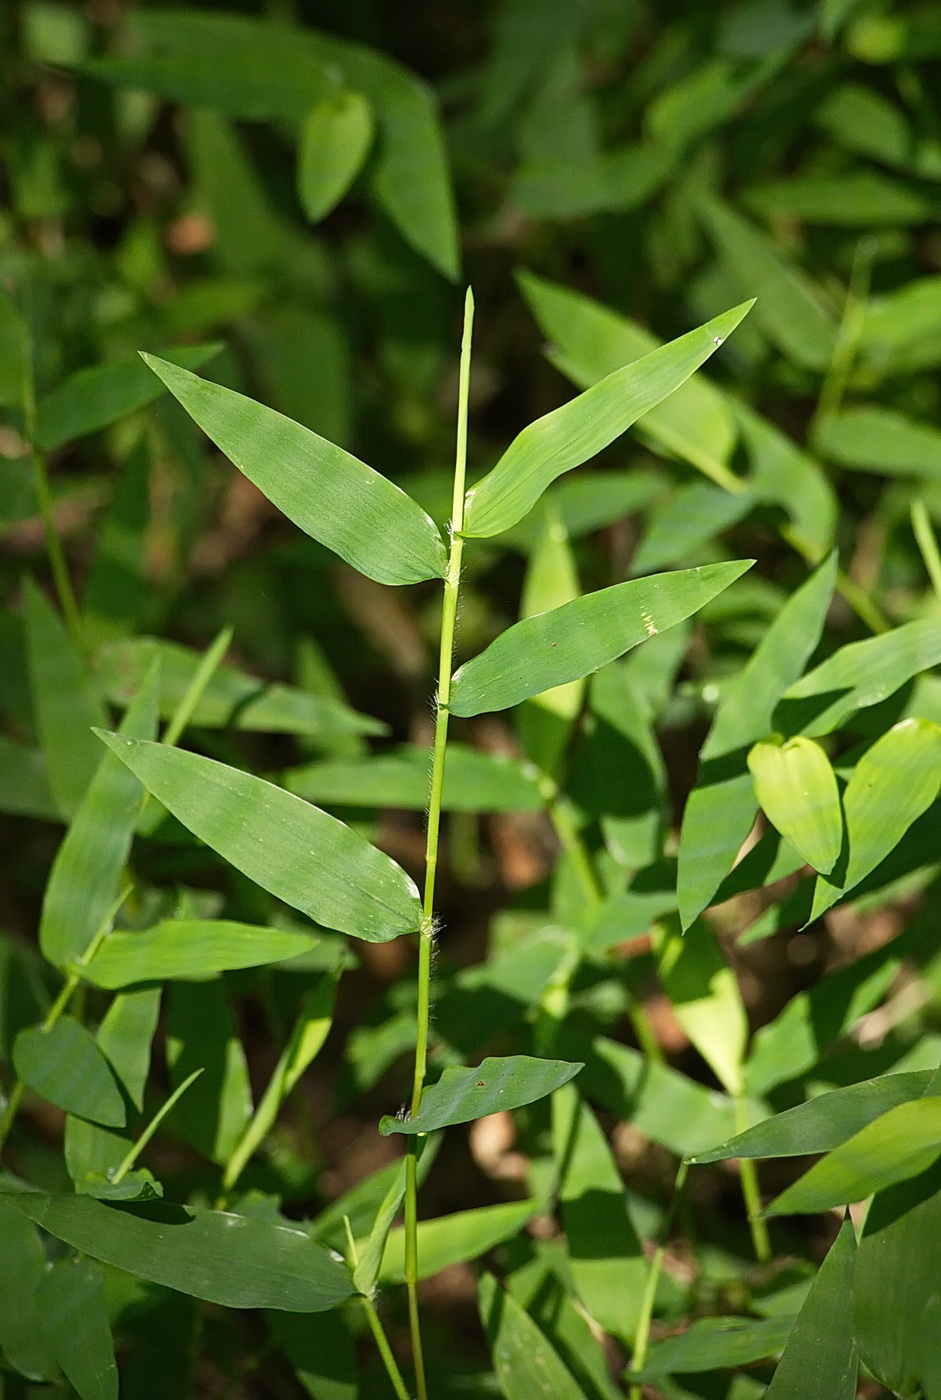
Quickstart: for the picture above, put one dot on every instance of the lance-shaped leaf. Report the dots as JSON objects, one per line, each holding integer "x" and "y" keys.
{"x": 706, "y": 998}
{"x": 579, "y": 429}
{"x": 820, "y": 1360}
{"x": 75, "y": 1319}
{"x": 335, "y": 141}
{"x": 822, "y": 1123}
{"x": 721, "y": 808}
{"x": 902, "y": 1143}
{"x": 456, "y": 1239}
{"x": 295, "y": 851}
{"x": 713, "y": 1343}
{"x": 328, "y": 493}
{"x": 191, "y": 949}
{"x": 797, "y": 789}
{"x": 234, "y": 1260}
{"x": 65, "y": 1066}
{"x": 366, "y": 1270}
{"x": 578, "y": 638}
{"x": 892, "y": 784}
{"x": 461, "y": 1095}
{"x": 93, "y": 398}
{"x": 25, "y": 1346}
{"x": 201, "y": 1035}
{"x": 526, "y": 1363}
{"x": 88, "y": 865}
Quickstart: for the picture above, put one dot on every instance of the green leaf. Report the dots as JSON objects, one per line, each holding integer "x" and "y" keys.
{"x": 721, "y": 808}
{"x": 896, "y": 1290}
{"x": 233, "y": 1260}
{"x": 587, "y": 342}
{"x": 323, "y": 1358}
{"x": 705, "y": 996}
{"x": 25, "y": 1345}
{"x": 473, "y": 781}
{"x": 581, "y": 636}
{"x": 189, "y": 949}
{"x": 579, "y": 429}
{"x": 903, "y": 1142}
{"x": 784, "y": 475}
{"x": 24, "y": 782}
{"x": 295, "y": 851}
{"x": 879, "y": 440}
{"x": 680, "y": 527}
{"x": 526, "y": 1365}
{"x": 605, "y": 1256}
{"x": 84, "y": 879}
{"x": 232, "y": 698}
{"x": 866, "y": 197}
{"x": 65, "y": 1066}
{"x": 823, "y": 1122}
{"x": 94, "y": 398}
{"x": 789, "y": 309}
{"x": 366, "y": 1270}
{"x": 329, "y": 494}
{"x": 461, "y": 1095}
{"x": 820, "y": 1360}
{"x": 892, "y": 784}
{"x": 213, "y": 1114}
{"x": 856, "y": 676}
{"x": 467, "y": 1235}
{"x": 64, "y": 705}
{"x": 14, "y": 352}
{"x": 797, "y": 789}
{"x": 335, "y": 142}
{"x": 75, "y": 1319}
{"x": 900, "y": 331}
{"x": 714, "y": 1343}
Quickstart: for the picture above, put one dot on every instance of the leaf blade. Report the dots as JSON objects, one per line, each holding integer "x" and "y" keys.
{"x": 461, "y": 1095}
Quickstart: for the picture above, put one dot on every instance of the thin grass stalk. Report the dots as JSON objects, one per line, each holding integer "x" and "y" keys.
{"x": 426, "y": 933}
{"x": 642, "y": 1335}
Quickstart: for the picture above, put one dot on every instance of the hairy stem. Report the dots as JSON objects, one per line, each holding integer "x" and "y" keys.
{"x": 426, "y": 933}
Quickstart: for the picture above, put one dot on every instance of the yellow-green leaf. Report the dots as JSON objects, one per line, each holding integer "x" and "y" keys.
{"x": 797, "y": 789}
{"x": 334, "y": 143}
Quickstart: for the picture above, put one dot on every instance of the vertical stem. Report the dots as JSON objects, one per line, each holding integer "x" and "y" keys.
{"x": 426, "y": 933}
{"x": 751, "y": 1194}
{"x": 642, "y": 1337}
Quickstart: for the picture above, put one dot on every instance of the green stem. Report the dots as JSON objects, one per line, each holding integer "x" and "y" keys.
{"x": 751, "y": 1194}
{"x": 642, "y": 1336}
{"x": 927, "y": 543}
{"x": 385, "y": 1351}
{"x": 137, "y": 1147}
{"x": 452, "y": 584}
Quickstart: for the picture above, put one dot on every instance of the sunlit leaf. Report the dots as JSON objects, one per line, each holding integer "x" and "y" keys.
{"x": 798, "y": 791}
{"x": 191, "y": 949}
{"x": 526, "y": 1365}
{"x": 329, "y": 494}
{"x": 713, "y": 1343}
{"x": 461, "y": 1095}
{"x": 335, "y": 141}
{"x": 233, "y": 1260}
{"x": 581, "y": 636}
{"x": 297, "y": 852}
{"x": 705, "y": 997}
{"x": 579, "y": 429}
{"x": 460, "y": 1238}
{"x": 820, "y": 1360}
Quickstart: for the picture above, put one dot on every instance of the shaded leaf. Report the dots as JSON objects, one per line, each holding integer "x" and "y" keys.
{"x": 581, "y": 636}
{"x": 797, "y": 789}
{"x": 713, "y": 1343}
{"x": 474, "y": 781}
{"x": 820, "y": 1360}
{"x": 579, "y": 429}
{"x": 706, "y": 999}
{"x": 25, "y": 1345}
{"x": 879, "y": 440}
{"x": 65, "y": 1066}
{"x": 461, "y": 1095}
{"x": 295, "y": 851}
{"x": 75, "y": 1319}
{"x": 323, "y": 1358}
{"x": 460, "y": 1238}
{"x": 526, "y": 1365}
{"x": 201, "y": 1035}
{"x": 335, "y": 141}
{"x": 233, "y": 1260}
{"x": 24, "y": 782}
{"x": 191, "y": 949}
{"x": 329, "y": 494}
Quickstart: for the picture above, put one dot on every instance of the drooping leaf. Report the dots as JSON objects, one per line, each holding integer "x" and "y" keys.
{"x": 579, "y": 429}
{"x": 233, "y": 1260}
{"x": 474, "y": 781}
{"x": 857, "y": 676}
{"x": 92, "y": 399}
{"x": 903, "y": 1142}
{"x": 797, "y": 789}
{"x": 65, "y": 1066}
{"x": 605, "y": 1256}
{"x": 721, "y": 808}
{"x": 460, "y": 1238}
{"x": 822, "y": 1123}
{"x": 713, "y": 1343}
{"x": 581, "y": 636}
{"x": 297, "y": 852}
{"x": 820, "y": 1360}
{"x": 84, "y": 878}
{"x": 329, "y": 494}
{"x": 64, "y": 704}
{"x": 75, "y": 1319}
{"x": 25, "y": 1345}
{"x": 705, "y": 996}
{"x": 892, "y": 785}
{"x": 335, "y": 141}
{"x": 527, "y": 1366}
{"x": 231, "y": 698}
{"x": 461, "y": 1095}
{"x": 190, "y": 949}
